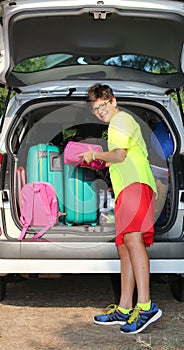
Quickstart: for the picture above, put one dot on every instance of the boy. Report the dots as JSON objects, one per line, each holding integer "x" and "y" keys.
{"x": 135, "y": 191}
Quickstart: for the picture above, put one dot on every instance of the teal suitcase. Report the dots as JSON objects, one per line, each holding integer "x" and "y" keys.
{"x": 80, "y": 196}
{"x": 44, "y": 164}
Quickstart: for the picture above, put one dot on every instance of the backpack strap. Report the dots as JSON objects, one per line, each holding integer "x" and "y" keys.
{"x": 23, "y": 233}
{"x": 42, "y": 231}
{"x": 21, "y": 182}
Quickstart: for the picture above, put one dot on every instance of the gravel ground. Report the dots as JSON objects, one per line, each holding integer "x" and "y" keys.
{"x": 56, "y": 314}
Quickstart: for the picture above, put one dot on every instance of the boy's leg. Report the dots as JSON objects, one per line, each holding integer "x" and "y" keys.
{"x": 140, "y": 264}
{"x": 120, "y": 314}
{"x": 127, "y": 278}
{"x": 145, "y": 311}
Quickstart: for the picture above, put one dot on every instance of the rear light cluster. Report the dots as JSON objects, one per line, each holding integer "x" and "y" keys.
{"x": 1, "y": 158}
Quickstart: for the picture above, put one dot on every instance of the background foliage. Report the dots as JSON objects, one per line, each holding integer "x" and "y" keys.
{"x": 3, "y": 94}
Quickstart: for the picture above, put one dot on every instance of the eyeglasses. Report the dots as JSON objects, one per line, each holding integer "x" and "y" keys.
{"x": 101, "y": 107}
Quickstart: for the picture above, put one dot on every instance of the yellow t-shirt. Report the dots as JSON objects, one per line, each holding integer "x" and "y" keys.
{"x": 124, "y": 132}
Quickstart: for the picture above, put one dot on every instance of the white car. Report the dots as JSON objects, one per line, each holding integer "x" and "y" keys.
{"x": 51, "y": 52}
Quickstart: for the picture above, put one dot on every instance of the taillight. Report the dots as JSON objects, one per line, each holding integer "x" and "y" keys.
{"x": 1, "y": 158}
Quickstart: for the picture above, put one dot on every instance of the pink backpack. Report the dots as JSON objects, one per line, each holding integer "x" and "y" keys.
{"x": 39, "y": 207}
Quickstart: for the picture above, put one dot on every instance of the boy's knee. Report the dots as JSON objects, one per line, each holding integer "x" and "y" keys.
{"x": 132, "y": 239}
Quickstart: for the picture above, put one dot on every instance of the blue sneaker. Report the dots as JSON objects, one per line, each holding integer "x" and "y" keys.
{"x": 140, "y": 319}
{"x": 112, "y": 317}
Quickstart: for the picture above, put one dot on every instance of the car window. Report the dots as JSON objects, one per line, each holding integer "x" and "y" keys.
{"x": 142, "y": 63}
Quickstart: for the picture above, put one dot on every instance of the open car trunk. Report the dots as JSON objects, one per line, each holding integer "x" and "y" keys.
{"x": 56, "y": 121}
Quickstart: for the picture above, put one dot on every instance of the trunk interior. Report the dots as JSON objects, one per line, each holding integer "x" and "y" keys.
{"x": 56, "y": 121}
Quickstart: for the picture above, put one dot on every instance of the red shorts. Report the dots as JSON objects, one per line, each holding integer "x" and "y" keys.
{"x": 134, "y": 212}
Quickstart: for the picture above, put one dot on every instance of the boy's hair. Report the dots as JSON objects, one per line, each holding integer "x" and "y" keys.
{"x": 99, "y": 91}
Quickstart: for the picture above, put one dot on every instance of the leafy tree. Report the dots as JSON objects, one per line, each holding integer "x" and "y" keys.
{"x": 31, "y": 65}
{"x": 144, "y": 63}
{"x": 3, "y": 95}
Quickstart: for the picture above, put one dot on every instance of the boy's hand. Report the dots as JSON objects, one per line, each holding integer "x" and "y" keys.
{"x": 87, "y": 156}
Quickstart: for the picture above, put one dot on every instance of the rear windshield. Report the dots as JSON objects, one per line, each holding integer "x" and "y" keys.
{"x": 142, "y": 63}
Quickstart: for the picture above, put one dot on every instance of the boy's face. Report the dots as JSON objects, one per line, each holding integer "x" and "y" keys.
{"x": 104, "y": 109}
